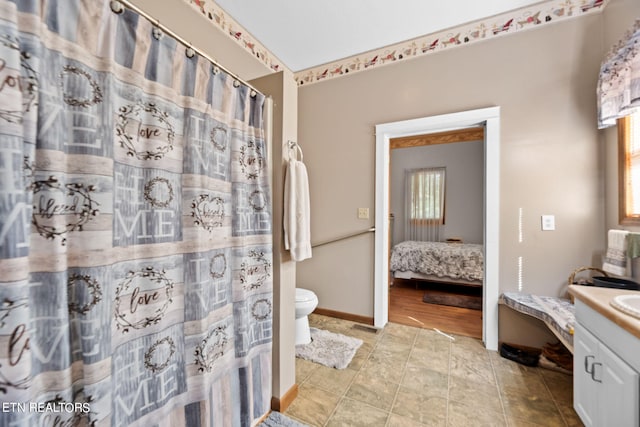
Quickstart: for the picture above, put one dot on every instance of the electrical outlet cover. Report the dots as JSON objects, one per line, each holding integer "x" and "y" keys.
{"x": 363, "y": 213}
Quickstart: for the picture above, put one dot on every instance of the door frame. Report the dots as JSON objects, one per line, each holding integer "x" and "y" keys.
{"x": 490, "y": 119}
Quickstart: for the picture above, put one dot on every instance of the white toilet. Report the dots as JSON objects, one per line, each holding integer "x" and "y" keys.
{"x": 306, "y": 302}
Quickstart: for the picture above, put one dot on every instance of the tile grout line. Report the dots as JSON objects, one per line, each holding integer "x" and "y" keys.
{"x": 495, "y": 377}
{"x": 395, "y": 396}
{"x": 333, "y": 411}
{"x": 344, "y": 394}
{"x": 446, "y": 412}
{"x": 404, "y": 370}
{"x": 553, "y": 399}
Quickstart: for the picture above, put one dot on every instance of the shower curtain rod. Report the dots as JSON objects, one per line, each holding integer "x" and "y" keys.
{"x": 115, "y": 7}
{"x": 348, "y": 236}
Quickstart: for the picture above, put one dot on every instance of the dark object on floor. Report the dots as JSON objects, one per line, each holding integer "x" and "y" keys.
{"x": 548, "y": 364}
{"x": 453, "y": 299}
{"x": 524, "y": 357}
{"x": 558, "y": 354}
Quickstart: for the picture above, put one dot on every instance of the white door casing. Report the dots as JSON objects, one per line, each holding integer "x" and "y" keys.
{"x": 490, "y": 119}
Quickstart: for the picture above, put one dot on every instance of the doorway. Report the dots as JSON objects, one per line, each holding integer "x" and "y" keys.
{"x": 489, "y": 118}
{"x": 446, "y": 303}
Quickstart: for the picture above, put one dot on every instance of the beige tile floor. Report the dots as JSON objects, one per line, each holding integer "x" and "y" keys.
{"x": 404, "y": 376}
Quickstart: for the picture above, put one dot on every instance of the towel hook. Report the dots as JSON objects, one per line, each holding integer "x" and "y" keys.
{"x": 295, "y": 146}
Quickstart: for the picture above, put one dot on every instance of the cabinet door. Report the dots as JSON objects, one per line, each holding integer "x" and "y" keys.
{"x": 620, "y": 391}
{"x": 585, "y": 389}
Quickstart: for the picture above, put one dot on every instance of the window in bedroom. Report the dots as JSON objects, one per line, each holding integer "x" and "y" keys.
{"x": 426, "y": 195}
{"x": 629, "y": 168}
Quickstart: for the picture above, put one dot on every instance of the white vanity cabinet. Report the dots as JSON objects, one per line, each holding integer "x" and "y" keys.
{"x": 606, "y": 371}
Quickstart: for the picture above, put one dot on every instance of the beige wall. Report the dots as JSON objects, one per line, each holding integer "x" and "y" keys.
{"x": 551, "y": 156}
{"x": 283, "y": 91}
{"x": 464, "y": 162}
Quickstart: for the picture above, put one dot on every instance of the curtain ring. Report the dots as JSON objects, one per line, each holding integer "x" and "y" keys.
{"x": 190, "y": 52}
{"x": 116, "y": 7}
{"x": 253, "y": 93}
{"x": 157, "y": 31}
{"x": 236, "y": 83}
{"x": 215, "y": 69}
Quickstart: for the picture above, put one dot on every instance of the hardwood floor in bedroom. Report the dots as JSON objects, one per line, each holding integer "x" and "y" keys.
{"x": 407, "y": 308}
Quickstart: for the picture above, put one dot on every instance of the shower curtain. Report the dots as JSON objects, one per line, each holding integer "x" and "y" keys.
{"x": 135, "y": 226}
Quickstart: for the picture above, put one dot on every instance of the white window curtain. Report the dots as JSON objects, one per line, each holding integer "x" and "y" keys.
{"x": 619, "y": 81}
{"x": 424, "y": 204}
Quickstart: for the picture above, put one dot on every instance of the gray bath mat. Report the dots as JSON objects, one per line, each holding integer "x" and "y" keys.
{"x": 276, "y": 419}
{"x": 329, "y": 349}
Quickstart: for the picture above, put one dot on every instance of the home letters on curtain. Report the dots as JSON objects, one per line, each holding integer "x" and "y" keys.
{"x": 135, "y": 226}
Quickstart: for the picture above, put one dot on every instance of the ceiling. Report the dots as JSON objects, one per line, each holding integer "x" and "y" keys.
{"x": 305, "y": 34}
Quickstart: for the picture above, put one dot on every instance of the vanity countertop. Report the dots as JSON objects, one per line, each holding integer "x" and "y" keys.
{"x": 599, "y": 299}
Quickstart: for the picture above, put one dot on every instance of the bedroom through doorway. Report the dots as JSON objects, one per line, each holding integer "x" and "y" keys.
{"x": 489, "y": 118}
{"x": 450, "y": 299}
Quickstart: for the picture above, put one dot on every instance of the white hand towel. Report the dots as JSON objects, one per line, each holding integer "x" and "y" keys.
{"x": 615, "y": 260}
{"x": 297, "y": 211}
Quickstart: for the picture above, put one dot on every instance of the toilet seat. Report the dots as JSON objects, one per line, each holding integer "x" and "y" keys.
{"x": 304, "y": 295}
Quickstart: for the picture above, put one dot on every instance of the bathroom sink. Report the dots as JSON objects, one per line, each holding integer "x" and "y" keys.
{"x": 614, "y": 282}
{"x": 628, "y": 303}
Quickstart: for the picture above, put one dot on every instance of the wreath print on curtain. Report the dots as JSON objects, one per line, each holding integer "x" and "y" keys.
{"x": 135, "y": 226}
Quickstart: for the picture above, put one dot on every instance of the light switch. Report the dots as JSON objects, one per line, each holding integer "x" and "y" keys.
{"x": 548, "y": 222}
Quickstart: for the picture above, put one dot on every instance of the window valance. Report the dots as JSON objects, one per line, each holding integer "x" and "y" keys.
{"x": 619, "y": 80}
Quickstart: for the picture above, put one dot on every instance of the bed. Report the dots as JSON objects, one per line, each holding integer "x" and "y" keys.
{"x": 459, "y": 263}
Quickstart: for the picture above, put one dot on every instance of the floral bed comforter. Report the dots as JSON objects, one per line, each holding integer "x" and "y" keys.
{"x": 455, "y": 260}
